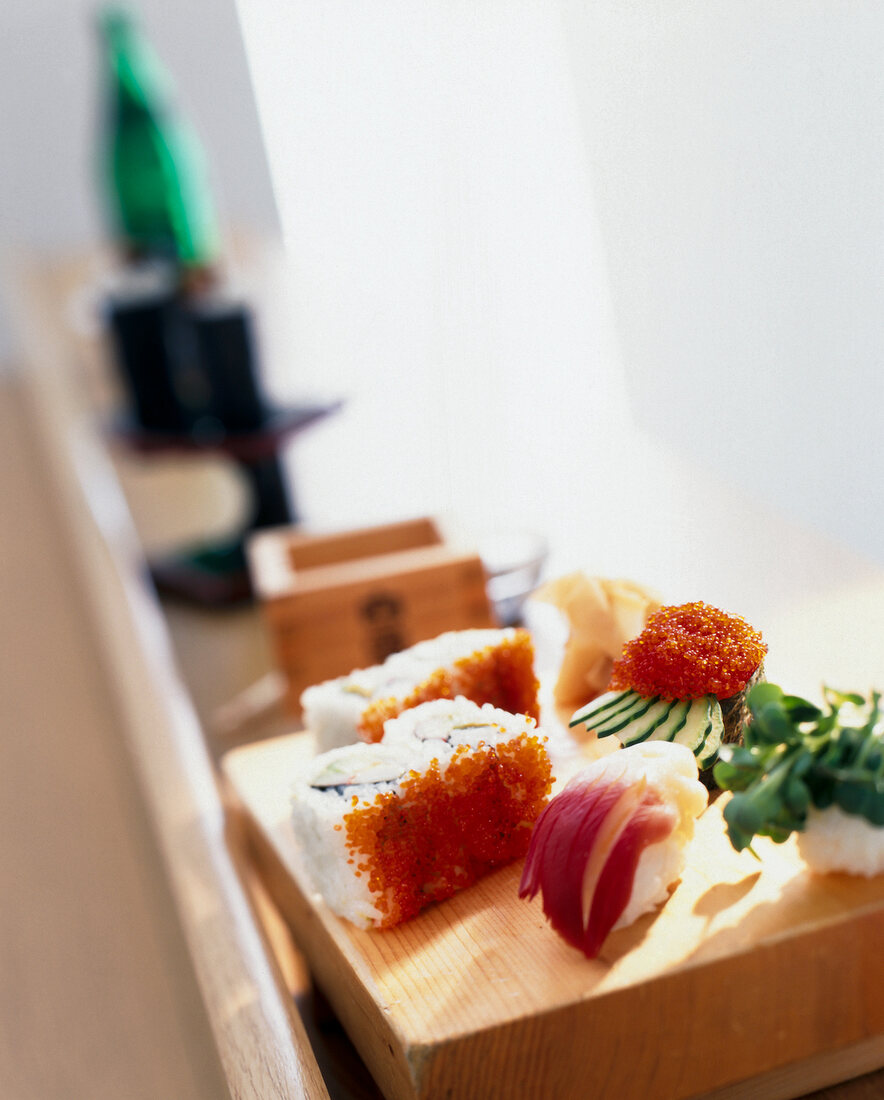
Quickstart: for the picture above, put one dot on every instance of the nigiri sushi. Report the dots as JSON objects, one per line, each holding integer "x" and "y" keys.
{"x": 451, "y": 792}
{"x": 486, "y": 666}
{"x": 607, "y": 848}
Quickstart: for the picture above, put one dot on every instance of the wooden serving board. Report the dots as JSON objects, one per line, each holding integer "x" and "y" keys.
{"x": 755, "y": 979}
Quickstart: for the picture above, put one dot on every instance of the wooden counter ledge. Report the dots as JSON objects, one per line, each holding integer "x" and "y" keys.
{"x": 260, "y": 1041}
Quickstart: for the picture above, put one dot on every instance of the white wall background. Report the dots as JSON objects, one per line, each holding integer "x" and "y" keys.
{"x": 738, "y": 168}
{"x": 435, "y": 197}
{"x": 440, "y": 169}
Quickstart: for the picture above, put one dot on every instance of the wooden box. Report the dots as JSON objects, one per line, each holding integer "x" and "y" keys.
{"x": 337, "y": 602}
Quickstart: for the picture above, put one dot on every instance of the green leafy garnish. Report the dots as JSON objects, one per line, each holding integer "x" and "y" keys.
{"x": 796, "y": 755}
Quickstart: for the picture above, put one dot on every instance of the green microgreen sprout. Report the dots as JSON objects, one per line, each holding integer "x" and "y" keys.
{"x": 795, "y": 756}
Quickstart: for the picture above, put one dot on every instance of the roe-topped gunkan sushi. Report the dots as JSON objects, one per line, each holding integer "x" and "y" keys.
{"x": 486, "y": 666}
{"x": 683, "y": 679}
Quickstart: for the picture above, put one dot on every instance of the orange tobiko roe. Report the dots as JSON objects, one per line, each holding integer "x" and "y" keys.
{"x": 688, "y": 651}
{"x": 446, "y": 829}
{"x": 501, "y": 674}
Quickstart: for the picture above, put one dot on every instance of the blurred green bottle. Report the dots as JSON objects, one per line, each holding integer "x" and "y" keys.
{"x": 155, "y": 178}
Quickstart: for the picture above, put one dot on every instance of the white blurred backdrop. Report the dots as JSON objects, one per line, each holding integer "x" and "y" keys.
{"x": 505, "y": 220}
{"x": 435, "y": 198}
{"x": 463, "y": 184}
{"x": 738, "y": 170}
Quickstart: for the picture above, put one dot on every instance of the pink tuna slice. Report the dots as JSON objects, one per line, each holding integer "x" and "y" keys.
{"x": 584, "y": 852}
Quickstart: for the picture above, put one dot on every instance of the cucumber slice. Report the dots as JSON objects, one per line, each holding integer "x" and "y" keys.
{"x": 625, "y": 716}
{"x": 648, "y": 725}
{"x": 669, "y": 729}
{"x": 702, "y": 729}
{"x": 709, "y": 753}
{"x": 695, "y": 723}
{"x": 698, "y": 725}
{"x": 601, "y": 704}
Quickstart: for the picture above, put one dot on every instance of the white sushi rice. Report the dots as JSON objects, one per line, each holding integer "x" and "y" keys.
{"x": 443, "y": 723}
{"x": 332, "y": 709}
{"x": 671, "y": 769}
{"x": 317, "y": 810}
{"x": 833, "y": 840}
{"x": 659, "y": 866}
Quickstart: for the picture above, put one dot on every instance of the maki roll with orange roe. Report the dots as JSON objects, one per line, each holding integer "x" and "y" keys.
{"x": 486, "y": 666}
{"x": 450, "y": 793}
{"x": 683, "y": 679}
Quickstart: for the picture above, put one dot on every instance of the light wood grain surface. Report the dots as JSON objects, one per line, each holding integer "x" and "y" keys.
{"x": 96, "y": 975}
{"x": 254, "y": 1038}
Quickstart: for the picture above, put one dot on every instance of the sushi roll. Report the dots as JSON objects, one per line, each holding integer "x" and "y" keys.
{"x": 685, "y": 679}
{"x": 487, "y": 666}
{"x": 608, "y": 847}
{"x": 452, "y": 792}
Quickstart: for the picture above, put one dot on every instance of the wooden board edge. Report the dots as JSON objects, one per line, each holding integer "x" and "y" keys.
{"x": 797, "y": 1078}
{"x": 538, "y": 1054}
{"x": 386, "y": 1053}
